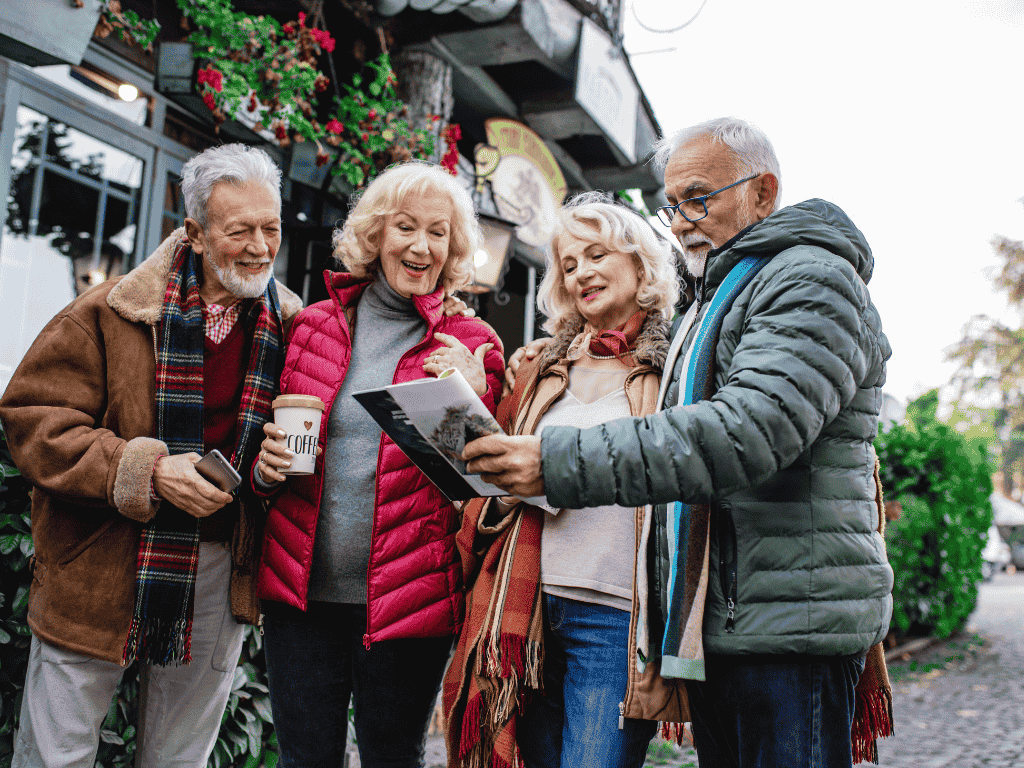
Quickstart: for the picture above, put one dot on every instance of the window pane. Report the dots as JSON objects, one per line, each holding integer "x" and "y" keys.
{"x": 72, "y": 217}
{"x": 100, "y": 89}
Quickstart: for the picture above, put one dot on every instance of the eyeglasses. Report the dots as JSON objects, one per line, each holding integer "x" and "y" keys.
{"x": 694, "y": 208}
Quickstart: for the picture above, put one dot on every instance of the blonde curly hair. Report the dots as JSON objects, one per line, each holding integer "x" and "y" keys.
{"x": 592, "y": 217}
{"x": 357, "y": 243}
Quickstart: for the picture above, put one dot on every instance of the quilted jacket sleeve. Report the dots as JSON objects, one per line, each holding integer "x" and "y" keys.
{"x": 795, "y": 348}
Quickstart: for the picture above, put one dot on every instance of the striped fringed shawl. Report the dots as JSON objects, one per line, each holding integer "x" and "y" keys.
{"x": 497, "y": 661}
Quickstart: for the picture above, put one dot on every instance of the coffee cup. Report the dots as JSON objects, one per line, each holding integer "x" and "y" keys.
{"x": 299, "y": 416}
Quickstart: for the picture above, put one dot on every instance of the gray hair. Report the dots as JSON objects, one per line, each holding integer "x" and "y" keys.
{"x": 750, "y": 147}
{"x": 235, "y": 164}
{"x": 594, "y": 217}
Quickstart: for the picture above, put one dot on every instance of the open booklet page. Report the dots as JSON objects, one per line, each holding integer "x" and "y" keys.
{"x": 431, "y": 420}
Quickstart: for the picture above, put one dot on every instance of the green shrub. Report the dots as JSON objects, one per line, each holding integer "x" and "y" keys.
{"x": 15, "y": 551}
{"x": 246, "y": 735}
{"x": 943, "y": 483}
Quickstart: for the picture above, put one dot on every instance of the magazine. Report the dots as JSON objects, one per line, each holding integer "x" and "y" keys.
{"x": 431, "y": 420}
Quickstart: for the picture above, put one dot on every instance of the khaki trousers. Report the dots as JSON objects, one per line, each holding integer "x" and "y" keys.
{"x": 67, "y": 695}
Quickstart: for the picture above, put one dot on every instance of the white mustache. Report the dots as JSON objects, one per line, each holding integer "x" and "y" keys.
{"x": 693, "y": 241}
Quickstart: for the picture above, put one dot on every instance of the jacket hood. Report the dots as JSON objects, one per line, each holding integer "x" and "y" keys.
{"x": 139, "y": 295}
{"x": 812, "y": 222}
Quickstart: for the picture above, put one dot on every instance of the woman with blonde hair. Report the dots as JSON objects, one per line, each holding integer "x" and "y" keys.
{"x": 360, "y": 581}
{"x": 546, "y": 668}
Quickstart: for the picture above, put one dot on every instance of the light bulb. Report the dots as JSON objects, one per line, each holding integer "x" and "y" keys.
{"x": 127, "y": 92}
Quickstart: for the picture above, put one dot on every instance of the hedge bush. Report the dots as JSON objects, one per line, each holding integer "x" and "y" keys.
{"x": 943, "y": 482}
{"x": 246, "y": 735}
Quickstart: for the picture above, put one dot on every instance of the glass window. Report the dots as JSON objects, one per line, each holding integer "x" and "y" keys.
{"x": 174, "y": 206}
{"x": 101, "y": 89}
{"x": 72, "y": 217}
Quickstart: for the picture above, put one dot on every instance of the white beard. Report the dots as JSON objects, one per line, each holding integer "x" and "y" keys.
{"x": 242, "y": 286}
{"x": 695, "y": 260}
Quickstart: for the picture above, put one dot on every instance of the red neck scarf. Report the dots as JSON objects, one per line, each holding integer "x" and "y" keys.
{"x": 618, "y": 342}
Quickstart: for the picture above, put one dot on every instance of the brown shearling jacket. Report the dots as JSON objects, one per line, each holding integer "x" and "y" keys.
{"x": 80, "y": 416}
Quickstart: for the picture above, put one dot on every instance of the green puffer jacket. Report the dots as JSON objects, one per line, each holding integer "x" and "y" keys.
{"x": 783, "y": 450}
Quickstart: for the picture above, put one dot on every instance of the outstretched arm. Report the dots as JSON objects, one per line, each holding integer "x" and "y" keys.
{"x": 809, "y": 340}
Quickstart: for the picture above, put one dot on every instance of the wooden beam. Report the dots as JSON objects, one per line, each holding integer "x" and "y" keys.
{"x": 472, "y": 86}
{"x": 640, "y": 176}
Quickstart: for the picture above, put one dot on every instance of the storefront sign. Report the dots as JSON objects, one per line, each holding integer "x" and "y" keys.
{"x": 527, "y": 183}
{"x": 605, "y": 88}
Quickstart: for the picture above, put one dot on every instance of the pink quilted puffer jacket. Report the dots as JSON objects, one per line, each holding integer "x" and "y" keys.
{"x": 414, "y": 581}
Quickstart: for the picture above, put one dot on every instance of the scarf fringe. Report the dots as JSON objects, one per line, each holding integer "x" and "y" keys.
{"x": 872, "y": 720}
{"x": 159, "y": 641}
{"x": 471, "y": 732}
{"x": 675, "y": 732}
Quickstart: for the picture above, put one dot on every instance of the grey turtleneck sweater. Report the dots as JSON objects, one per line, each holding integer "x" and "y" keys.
{"x": 387, "y": 325}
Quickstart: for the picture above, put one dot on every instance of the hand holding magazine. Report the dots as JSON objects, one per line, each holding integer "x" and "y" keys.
{"x": 431, "y": 420}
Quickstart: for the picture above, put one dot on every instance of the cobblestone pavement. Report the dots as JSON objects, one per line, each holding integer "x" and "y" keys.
{"x": 963, "y": 705}
{"x": 959, "y": 704}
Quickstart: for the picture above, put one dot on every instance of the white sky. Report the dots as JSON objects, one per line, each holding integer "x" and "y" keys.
{"x": 908, "y": 114}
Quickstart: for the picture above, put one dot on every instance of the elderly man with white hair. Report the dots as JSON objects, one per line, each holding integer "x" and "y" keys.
{"x": 138, "y": 556}
{"x": 779, "y": 589}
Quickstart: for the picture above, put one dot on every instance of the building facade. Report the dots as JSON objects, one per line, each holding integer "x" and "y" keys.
{"x": 92, "y": 139}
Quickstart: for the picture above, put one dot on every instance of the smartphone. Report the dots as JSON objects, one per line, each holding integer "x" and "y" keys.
{"x": 218, "y": 470}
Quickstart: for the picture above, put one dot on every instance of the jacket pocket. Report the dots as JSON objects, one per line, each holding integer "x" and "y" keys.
{"x": 727, "y": 563}
{"x": 72, "y": 554}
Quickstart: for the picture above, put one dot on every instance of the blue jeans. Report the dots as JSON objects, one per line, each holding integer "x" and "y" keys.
{"x": 575, "y": 723}
{"x": 316, "y": 661}
{"x": 774, "y": 711}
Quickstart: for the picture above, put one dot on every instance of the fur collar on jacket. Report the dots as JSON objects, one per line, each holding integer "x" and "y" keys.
{"x": 139, "y": 295}
{"x": 651, "y": 345}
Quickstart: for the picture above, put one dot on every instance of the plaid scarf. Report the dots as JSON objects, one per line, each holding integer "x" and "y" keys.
{"x": 498, "y": 657}
{"x": 161, "y": 627}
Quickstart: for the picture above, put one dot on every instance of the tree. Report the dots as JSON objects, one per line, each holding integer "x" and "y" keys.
{"x": 991, "y": 358}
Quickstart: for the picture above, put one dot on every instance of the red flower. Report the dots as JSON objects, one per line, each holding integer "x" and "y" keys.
{"x": 323, "y": 39}
{"x": 252, "y": 103}
{"x": 211, "y": 76}
{"x": 373, "y": 114}
{"x": 280, "y": 132}
{"x": 322, "y": 158}
{"x": 334, "y": 126}
{"x": 209, "y": 101}
{"x": 302, "y": 19}
{"x": 288, "y": 28}
{"x": 366, "y": 137}
{"x": 452, "y": 133}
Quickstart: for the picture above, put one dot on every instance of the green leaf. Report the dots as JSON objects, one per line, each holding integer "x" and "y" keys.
{"x": 110, "y": 737}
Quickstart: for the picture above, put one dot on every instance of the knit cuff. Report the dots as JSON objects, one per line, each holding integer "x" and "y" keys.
{"x": 134, "y": 479}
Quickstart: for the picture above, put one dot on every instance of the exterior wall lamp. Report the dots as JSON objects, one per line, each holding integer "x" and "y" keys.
{"x": 491, "y": 261}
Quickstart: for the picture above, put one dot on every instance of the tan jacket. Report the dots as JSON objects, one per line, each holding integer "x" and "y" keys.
{"x": 79, "y": 415}
{"x": 648, "y": 695}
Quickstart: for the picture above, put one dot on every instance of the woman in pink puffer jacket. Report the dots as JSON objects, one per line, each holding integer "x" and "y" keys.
{"x": 360, "y": 578}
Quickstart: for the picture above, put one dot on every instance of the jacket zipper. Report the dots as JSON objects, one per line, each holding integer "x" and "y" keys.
{"x": 727, "y": 563}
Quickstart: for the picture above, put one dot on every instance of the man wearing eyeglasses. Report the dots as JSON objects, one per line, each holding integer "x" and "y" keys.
{"x": 779, "y": 583}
